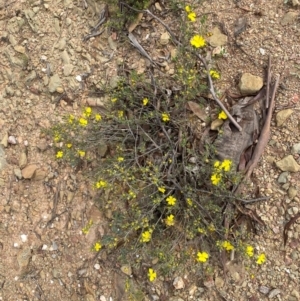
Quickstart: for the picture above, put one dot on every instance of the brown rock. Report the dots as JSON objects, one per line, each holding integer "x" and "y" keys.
{"x": 40, "y": 174}
{"x": 282, "y": 116}
{"x": 22, "y": 160}
{"x": 288, "y": 163}
{"x": 29, "y": 171}
{"x": 250, "y": 84}
{"x": 217, "y": 38}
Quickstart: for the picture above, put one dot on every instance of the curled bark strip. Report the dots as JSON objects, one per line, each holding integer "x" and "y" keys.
{"x": 264, "y": 135}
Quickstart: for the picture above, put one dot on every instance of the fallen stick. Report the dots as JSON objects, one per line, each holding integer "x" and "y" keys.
{"x": 264, "y": 135}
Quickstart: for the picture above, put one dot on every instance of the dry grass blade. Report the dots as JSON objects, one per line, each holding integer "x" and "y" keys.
{"x": 139, "y": 47}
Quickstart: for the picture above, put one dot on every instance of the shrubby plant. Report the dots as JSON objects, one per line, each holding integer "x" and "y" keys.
{"x": 164, "y": 197}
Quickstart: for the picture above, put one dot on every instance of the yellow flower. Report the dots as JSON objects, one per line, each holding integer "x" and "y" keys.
{"x": 69, "y": 145}
{"x": 188, "y": 9}
{"x": 217, "y": 164}
{"x": 71, "y": 118}
{"x": 98, "y": 117}
{"x": 249, "y": 251}
{"x": 132, "y": 194}
{"x": 215, "y": 178}
{"x": 226, "y": 165}
{"x": 171, "y": 200}
{"x": 120, "y": 114}
{"x": 197, "y": 41}
{"x": 83, "y": 122}
{"x": 192, "y": 16}
{"x": 211, "y": 228}
{"x": 170, "y": 220}
{"x": 101, "y": 184}
{"x": 145, "y": 101}
{"x": 120, "y": 159}
{"x": 146, "y": 236}
{"x": 222, "y": 115}
{"x": 165, "y": 117}
{"x": 202, "y": 256}
{"x": 97, "y": 247}
{"x": 227, "y": 245}
{"x": 81, "y": 153}
{"x": 59, "y": 154}
{"x": 57, "y": 137}
{"x": 201, "y": 230}
{"x": 189, "y": 202}
{"x": 151, "y": 275}
{"x": 261, "y": 258}
{"x": 214, "y": 74}
{"x": 87, "y": 111}
{"x": 162, "y": 189}
{"x": 114, "y": 100}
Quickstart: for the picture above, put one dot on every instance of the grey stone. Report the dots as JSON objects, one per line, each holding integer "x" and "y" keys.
{"x": 274, "y": 292}
{"x": 283, "y": 177}
{"x": 288, "y": 163}
{"x": 296, "y": 148}
{"x": 65, "y": 57}
{"x": 18, "y": 173}
{"x": 178, "y": 283}
{"x": 68, "y": 68}
{"x": 289, "y": 18}
{"x": 217, "y": 38}
{"x": 54, "y": 83}
{"x": 292, "y": 192}
{"x": 250, "y": 84}
{"x": 62, "y": 44}
{"x": 282, "y": 116}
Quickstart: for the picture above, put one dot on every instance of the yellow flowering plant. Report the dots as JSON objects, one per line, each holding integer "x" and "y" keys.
{"x": 151, "y": 181}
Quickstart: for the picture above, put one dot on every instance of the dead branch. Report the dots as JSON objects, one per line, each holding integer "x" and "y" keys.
{"x": 264, "y": 135}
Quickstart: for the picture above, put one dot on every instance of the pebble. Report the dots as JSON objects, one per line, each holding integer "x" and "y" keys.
{"x": 18, "y": 173}
{"x": 296, "y": 148}
{"x": 164, "y": 38}
{"x": 54, "y": 83}
{"x": 282, "y": 116}
{"x": 292, "y": 192}
{"x": 178, "y": 283}
{"x": 97, "y": 266}
{"x": 288, "y": 163}
{"x": 250, "y": 84}
{"x": 29, "y": 171}
{"x": 283, "y": 177}
{"x": 23, "y": 160}
{"x": 12, "y": 140}
{"x": 217, "y": 38}
{"x": 126, "y": 269}
{"x": 273, "y": 293}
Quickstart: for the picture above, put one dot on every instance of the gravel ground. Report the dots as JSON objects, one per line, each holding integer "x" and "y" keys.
{"x": 44, "y": 204}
